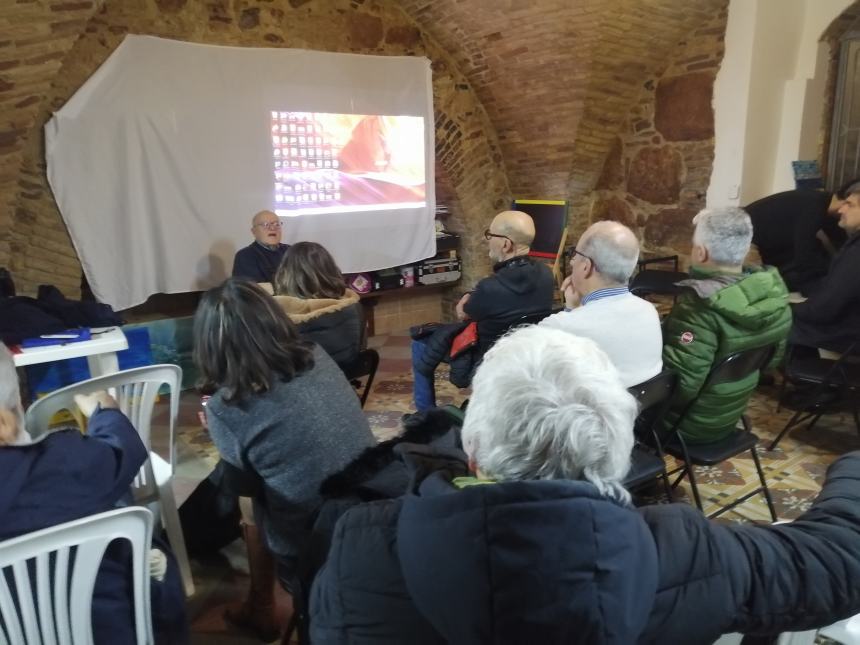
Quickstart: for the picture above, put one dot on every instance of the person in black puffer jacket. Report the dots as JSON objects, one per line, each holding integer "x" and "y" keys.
{"x": 310, "y": 288}
{"x": 542, "y": 546}
{"x": 518, "y": 287}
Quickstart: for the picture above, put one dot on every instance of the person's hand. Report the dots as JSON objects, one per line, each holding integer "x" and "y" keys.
{"x": 8, "y": 426}
{"x": 157, "y": 564}
{"x": 571, "y": 295}
{"x": 87, "y": 403}
{"x": 201, "y": 417}
{"x": 461, "y": 314}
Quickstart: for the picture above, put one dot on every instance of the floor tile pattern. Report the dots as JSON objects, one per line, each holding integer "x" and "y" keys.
{"x": 794, "y": 470}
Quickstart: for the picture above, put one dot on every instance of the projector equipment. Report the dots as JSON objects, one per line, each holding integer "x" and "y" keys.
{"x": 444, "y": 267}
{"x": 387, "y": 279}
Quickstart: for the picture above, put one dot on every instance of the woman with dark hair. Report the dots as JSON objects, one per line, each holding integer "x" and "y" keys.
{"x": 310, "y": 288}
{"x": 282, "y": 413}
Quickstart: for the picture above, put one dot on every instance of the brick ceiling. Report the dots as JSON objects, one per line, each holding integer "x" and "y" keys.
{"x": 557, "y": 76}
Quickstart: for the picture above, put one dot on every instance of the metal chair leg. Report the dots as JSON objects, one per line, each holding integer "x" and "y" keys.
{"x": 764, "y": 488}
{"x": 667, "y": 487}
{"x": 781, "y": 397}
{"x": 788, "y": 426}
{"x": 694, "y": 488}
{"x": 856, "y": 414}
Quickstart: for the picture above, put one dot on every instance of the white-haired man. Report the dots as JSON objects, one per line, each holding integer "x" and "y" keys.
{"x": 66, "y": 475}
{"x": 726, "y": 307}
{"x": 539, "y": 545}
{"x": 599, "y": 306}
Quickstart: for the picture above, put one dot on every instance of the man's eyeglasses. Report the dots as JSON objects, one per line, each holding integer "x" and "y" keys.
{"x": 488, "y": 236}
{"x": 574, "y": 253}
{"x": 269, "y": 226}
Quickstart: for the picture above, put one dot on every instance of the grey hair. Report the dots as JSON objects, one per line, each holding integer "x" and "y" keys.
{"x": 725, "y": 232}
{"x": 10, "y": 395}
{"x": 613, "y": 248}
{"x": 549, "y": 405}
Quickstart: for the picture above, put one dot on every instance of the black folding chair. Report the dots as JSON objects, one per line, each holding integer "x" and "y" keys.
{"x": 656, "y": 281}
{"x": 647, "y": 460}
{"x": 734, "y": 367}
{"x": 363, "y": 366}
{"x": 830, "y": 382}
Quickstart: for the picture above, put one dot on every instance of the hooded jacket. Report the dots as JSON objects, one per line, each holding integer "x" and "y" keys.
{"x": 554, "y": 562}
{"x": 332, "y": 323}
{"x": 717, "y": 315}
{"x": 518, "y": 286}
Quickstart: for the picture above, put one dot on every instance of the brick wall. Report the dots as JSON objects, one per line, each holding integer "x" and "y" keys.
{"x": 33, "y": 240}
{"x": 34, "y": 40}
{"x": 657, "y": 172}
{"x": 534, "y": 99}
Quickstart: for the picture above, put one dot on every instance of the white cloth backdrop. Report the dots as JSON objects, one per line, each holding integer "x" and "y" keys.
{"x": 161, "y": 158}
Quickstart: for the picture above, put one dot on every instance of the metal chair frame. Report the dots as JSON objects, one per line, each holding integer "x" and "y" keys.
{"x": 813, "y": 407}
{"x": 733, "y": 367}
{"x": 654, "y": 396}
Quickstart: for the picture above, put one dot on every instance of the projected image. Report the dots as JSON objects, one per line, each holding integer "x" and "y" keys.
{"x": 347, "y": 162}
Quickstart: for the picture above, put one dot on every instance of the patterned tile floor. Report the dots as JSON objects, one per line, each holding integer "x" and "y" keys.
{"x": 794, "y": 471}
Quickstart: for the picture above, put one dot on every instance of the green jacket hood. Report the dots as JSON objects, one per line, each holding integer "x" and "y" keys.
{"x": 754, "y": 299}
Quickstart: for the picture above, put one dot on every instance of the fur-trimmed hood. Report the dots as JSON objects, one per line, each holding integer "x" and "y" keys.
{"x": 302, "y": 310}
{"x": 431, "y": 427}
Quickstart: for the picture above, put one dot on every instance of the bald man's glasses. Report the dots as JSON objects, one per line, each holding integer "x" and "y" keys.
{"x": 574, "y": 253}
{"x": 488, "y": 236}
{"x": 269, "y": 226}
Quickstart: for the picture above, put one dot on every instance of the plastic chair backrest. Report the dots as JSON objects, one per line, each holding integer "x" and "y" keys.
{"x": 364, "y": 364}
{"x": 654, "y": 396}
{"x": 733, "y": 367}
{"x": 135, "y": 391}
{"x": 53, "y": 573}
{"x": 530, "y": 319}
{"x": 738, "y": 366}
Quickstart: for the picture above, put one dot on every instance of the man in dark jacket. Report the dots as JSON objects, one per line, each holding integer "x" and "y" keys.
{"x": 830, "y": 318}
{"x": 790, "y": 230}
{"x": 259, "y": 260}
{"x": 541, "y": 546}
{"x": 519, "y": 286}
{"x": 65, "y": 475}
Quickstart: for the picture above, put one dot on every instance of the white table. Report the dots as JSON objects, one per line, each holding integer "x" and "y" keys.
{"x": 100, "y": 351}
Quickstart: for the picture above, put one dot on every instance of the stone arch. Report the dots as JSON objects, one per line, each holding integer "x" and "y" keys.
{"x": 466, "y": 143}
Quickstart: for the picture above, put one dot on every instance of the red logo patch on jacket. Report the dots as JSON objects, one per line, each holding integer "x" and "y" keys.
{"x": 687, "y": 337}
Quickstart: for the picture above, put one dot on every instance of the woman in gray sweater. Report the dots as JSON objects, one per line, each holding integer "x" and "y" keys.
{"x": 282, "y": 412}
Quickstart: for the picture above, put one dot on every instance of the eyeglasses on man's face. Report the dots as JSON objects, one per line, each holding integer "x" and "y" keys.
{"x": 488, "y": 236}
{"x": 270, "y": 226}
{"x": 574, "y": 253}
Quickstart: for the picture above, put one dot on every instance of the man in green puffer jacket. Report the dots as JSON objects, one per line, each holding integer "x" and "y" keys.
{"x": 726, "y": 307}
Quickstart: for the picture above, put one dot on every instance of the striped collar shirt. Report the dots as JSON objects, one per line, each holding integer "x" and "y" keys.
{"x": 599, "y": 294}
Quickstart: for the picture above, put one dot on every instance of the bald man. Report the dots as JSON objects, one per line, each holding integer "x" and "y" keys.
{"x": 599, "y": 306}
{"x": 519, "y": 286}
{"x": 259, "y": 260}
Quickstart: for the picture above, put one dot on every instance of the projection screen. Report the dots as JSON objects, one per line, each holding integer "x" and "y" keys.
{"x": 161, "y": 158}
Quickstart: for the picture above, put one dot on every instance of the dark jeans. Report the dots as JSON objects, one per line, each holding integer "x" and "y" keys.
{"x": 424, "y": 388}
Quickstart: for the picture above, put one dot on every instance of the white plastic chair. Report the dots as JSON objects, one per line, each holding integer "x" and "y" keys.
{"x": 845, "y": 631}
{"x": 59, "y": 609}
{"x": 135, "y": 391}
